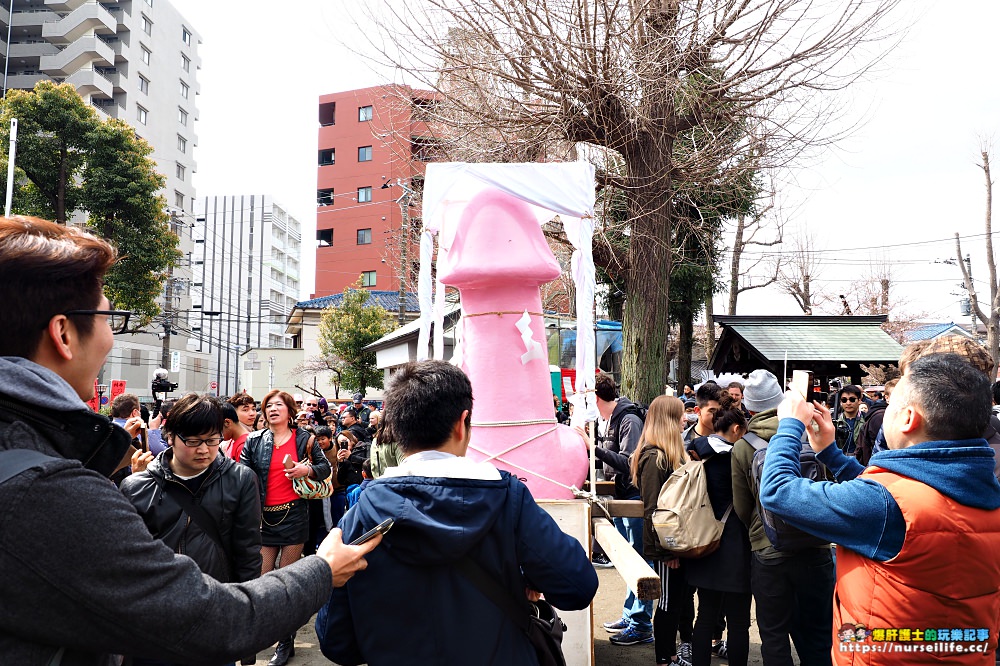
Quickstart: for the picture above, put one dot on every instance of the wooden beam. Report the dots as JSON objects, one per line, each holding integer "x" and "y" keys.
{"x": 625, "y": 509}
{"x": 637, "y": 574}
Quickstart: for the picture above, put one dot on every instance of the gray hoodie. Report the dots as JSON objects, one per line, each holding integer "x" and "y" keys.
{"x": 80, "y": 571}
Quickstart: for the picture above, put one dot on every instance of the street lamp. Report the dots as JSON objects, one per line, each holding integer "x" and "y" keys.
{"x": 101, "y": 390}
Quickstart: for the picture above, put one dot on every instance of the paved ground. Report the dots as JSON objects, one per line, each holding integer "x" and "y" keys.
{"x": 607, "y": 606}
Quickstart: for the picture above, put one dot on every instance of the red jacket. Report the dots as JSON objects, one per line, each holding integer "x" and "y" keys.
{"x": 945, "y": 577}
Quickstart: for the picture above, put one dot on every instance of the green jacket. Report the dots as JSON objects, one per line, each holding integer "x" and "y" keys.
{"x": 383, "y": 456}
{"x": 745, "y": 501}
{"x": 848, "y": 441}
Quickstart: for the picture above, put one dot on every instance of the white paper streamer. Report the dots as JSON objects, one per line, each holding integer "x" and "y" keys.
{"x": 533, "y": 348}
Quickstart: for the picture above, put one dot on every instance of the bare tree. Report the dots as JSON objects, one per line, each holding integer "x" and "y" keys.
{"x": 679, "y": 92}
{"x": 797, "y": 277}
{"x": 750, "y": 227}
{"x": 318, "y": 365}
{"x": 874, "y": 294}
{"x": 991, "y": 318}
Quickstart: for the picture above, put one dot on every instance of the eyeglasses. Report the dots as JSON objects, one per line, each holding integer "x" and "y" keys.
{"x": 195, "y": 442}
{"x": 848, "y": 399}
{"x": 117, "y": 319}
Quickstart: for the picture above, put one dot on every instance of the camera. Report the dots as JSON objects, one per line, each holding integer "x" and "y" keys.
{"x": 161, "y": 384}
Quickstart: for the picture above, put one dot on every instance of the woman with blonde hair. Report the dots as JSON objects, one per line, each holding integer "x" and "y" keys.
{"x": 659, "y": 453}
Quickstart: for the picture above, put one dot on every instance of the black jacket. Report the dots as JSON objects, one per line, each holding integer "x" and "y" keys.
{"x": 257, "y": 456}
{"x": 228, "y": 494}
{"x": 728, "y": 568}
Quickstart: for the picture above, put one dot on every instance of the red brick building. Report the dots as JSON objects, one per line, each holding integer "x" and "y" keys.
{"x": 370, "y": 141}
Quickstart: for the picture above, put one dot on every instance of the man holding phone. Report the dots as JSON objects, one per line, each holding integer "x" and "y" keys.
{"x": 446, "y": 509}
{"x": 83, "y": 580}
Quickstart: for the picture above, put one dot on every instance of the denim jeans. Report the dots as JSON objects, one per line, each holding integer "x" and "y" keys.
{"x": 794, "y": 598}
{"x": 639, "y": 614}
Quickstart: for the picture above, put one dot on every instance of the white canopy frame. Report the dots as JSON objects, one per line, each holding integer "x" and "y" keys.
{"x": 565, "y": 189}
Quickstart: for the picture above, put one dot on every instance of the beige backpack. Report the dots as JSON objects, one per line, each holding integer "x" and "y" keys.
{"x": 683, "y": 519}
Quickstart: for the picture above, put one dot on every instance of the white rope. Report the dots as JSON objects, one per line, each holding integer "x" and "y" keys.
{"x": 504, "y": 424}
{"x": 496, "y": 456}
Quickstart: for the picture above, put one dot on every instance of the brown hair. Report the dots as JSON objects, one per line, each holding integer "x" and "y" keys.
{"x": 123, "y": 405}
{"x": 662, "y": 430}
{"x": 241, "y": 399}
{"x": 285, "y": 398}
{"x": 605, "y": 387}
{"x": 45, "y": 270}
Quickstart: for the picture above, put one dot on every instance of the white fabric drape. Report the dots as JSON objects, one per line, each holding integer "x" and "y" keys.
{"x": 565, "y": 189}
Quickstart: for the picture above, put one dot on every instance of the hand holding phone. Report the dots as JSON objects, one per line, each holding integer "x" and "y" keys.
{"x": 381, "y": 528}
{"x": 287, "y": 461}
{"x": 802, "y": 382}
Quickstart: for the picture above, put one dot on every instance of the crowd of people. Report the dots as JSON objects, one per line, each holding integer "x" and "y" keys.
{"x": 861, "y": 531}
{"x": 906, "y": 490}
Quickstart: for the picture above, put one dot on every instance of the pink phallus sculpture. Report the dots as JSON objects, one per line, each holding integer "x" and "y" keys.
{"x": 497, "y": 261}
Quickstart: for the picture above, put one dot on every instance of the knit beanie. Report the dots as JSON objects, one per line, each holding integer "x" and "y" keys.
{"x": 762, "y": 391}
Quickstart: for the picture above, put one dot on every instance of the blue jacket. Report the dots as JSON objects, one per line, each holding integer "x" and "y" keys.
{"x": 861, "y": 514}
{"x": 410, "y": 605}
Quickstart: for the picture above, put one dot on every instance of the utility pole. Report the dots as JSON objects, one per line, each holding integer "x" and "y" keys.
{"x": 972, "y": 311}
{"x": 168, "y": 306}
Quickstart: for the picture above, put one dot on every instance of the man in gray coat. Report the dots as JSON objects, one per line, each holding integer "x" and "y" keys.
{"x": 83, "y": 581}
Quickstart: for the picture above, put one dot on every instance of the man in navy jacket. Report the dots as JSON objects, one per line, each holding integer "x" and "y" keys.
{"x": 413, "y": 606}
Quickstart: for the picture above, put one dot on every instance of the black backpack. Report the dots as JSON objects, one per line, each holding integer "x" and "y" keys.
{"x": 783, "y": 536}
{"x": 623, "y": 483}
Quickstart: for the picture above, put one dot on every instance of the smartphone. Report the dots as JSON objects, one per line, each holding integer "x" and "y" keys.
{"x": 287, "y": 461}
{"x": 802, "y": 382}
{"x": 342, "y": 446}
{"x": 381, "y": 528}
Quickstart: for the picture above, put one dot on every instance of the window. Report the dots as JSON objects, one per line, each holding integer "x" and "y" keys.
{"x": 324, "y": 197}
{"x": 141, "y": 114}
{"x": 185, "y": 90}
{"x": 147, "y": 26}
{"x": 181, "y": 171}
{"x": 185, "y": 63}
{"x": 146, "y": 55}
{"x": 327, "y": 114}
{"x": 325, "y": 237}
{"x": 368, "y": 279}
{"x": 365, "y": 154}
{"x": 182, "y": 116}
{"x": 143, "y": 85}
{"x": 326, "y": 157}
{"x": 182, "y": 144}
{"x": 364, "y": 194}
{"x": 179, "y": 199}
{"x": 364, "y": 114}
{"x": 186, "y": 36}
{"x": 364, "y": 236}
{"x": 136, "y": 357}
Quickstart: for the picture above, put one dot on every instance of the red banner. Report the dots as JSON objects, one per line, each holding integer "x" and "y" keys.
{"x": 92, "y": 403}
{"x": 117, "y": 388}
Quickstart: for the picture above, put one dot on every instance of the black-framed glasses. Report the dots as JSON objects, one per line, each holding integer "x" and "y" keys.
{"x": 195, "y": 442}
{"x": 117, "y": 319}
{"x": 849, "y": 399}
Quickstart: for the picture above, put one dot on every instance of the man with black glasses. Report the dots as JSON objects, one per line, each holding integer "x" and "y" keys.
{"x": 83, "y": 580}
{"x": 850, "y": 420}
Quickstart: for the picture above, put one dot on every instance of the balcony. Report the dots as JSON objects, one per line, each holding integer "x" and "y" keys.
{"x": 88, "y": 17}
{"x": 88, "y": 50}
{"x": 33, "y": 49}
{"x": 32, "y": 18}
{"x": 24, "y": 81}
{"x": 89, "y": 81}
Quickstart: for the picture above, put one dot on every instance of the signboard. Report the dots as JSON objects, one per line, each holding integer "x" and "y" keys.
{"x": 175, "y": 361}
{"x": 117, "y": 388}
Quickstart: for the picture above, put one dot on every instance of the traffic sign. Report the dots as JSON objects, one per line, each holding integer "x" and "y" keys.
{"x": 213, "y": 385}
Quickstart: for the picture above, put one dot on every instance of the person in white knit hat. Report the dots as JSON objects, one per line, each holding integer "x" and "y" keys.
{"x": 793, "y": 590}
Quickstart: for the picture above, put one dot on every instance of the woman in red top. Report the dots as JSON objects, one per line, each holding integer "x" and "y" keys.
{"x": 285, "y": 515}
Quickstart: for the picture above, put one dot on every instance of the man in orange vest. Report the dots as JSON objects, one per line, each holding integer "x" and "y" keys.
{"x": 918, "y": 580}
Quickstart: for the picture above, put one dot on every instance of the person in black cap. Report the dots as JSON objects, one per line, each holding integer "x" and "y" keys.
{"x": 362, "y": 410}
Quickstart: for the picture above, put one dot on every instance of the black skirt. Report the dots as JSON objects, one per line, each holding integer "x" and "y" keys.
{"x": 286, "y": 526}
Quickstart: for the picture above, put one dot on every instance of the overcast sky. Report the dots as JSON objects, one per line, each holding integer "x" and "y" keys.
{"x": 902, "y": 186}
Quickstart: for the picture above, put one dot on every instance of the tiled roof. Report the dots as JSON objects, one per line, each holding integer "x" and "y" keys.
{"x": 931, "y": 331}
{"x": 389, "y": 300}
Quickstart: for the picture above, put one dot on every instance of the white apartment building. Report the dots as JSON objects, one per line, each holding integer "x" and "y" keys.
{"x": 136, "y": 60}
{"x": 248, "y": 252}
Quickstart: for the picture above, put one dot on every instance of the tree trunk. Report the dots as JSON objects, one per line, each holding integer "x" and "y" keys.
{"x": 710, "y": 324}
{"x": 61, "y": 189}
{"x": 734, "y": 267}
{"x": 645, "y": 325}
{"x": 685, "y": 351}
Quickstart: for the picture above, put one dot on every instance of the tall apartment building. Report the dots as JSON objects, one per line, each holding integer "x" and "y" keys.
{"x": 136, "y": 60}
{"x": 245, "y": 281}
{"x": 370, "y": 141}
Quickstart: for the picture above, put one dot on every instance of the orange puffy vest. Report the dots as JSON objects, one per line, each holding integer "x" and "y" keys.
{"x": 945, "y": 577}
